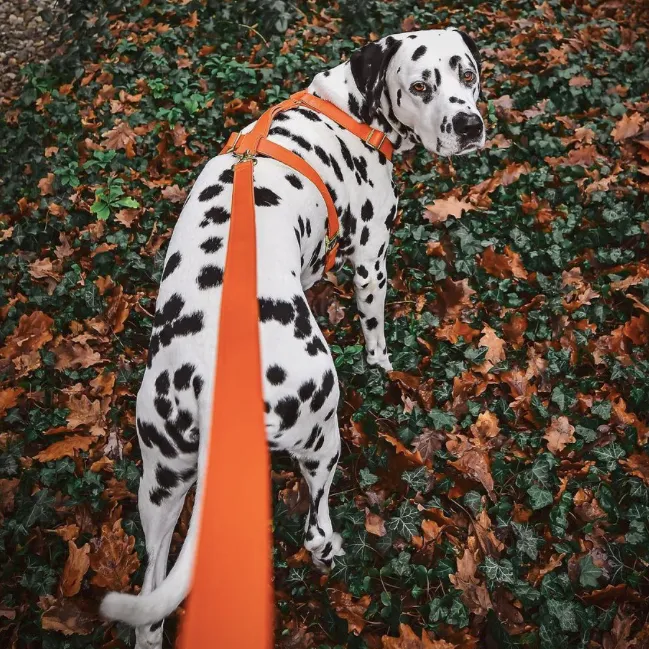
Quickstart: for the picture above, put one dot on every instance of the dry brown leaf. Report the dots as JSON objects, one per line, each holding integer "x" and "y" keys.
{"x": 559, "y": 434}
{"x": 67, "y": 532}
{"x": 114, "y": 559}
{"x": 32, "y": 332}
{"x": 75, "y": 355}
{"x": 66, "y": 617}
{"x": 174, "y": 194}
{"x": 505, "y": 265}
{"x": 441, "y": 209}
{"x": 453, "y": 331}
{"x": 65, "y": 448}
{"x": 485, "y": 427}
{"x": 121, "y": 136}
{"x": 374, "y": 524}
{"x": 637, "y": 465}
{"x": 9, "y": 399}
{"x": 83, "y": 412}
{"x": 627, "y": 127}
{"x": 408, "y": 639}
{"x": 46, "y": 185}
{"x": 8, "y": 489}
{"x": 495, "y": 345}
{"x": 75, "y": 568}
{"x": 474, "y": 593}
{"x": 514, "y": 329}
{"x": 475, "y": 464}
{"x": 347, "y": 609}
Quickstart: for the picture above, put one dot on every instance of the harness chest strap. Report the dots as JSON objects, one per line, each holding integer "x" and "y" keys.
{"x": 255, "y": 141}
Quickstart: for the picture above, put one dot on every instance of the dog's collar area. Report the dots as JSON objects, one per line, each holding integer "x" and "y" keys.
{"x": 247, "y": 146}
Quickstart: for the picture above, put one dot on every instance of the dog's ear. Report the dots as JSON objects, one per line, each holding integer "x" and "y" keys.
{"x": 369, "y": 66}
{"x": 473, "y": 48}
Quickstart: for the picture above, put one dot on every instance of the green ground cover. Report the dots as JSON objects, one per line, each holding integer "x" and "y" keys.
{"x": 494, "y": 490}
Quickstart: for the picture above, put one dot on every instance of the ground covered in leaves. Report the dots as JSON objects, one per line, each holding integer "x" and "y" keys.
{"x": 493, "y": 489}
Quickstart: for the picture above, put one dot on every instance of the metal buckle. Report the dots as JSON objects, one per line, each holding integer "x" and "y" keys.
{"x": 369, "y": 137}
{"x": 330, "y": 243}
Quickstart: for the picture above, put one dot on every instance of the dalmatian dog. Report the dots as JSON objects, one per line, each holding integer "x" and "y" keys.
{"x": 418, "y": 88}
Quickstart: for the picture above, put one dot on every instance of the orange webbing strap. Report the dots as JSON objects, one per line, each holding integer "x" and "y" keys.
{"x": 230, "y": 604}
{"x": 376, "y": 139}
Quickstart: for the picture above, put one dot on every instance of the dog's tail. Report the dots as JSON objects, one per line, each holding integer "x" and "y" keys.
{"x": 139, "y": 610}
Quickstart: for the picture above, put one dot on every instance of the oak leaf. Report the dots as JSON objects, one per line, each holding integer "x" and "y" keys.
{"x": 637, "y": 465}
{"x": 114, "y": 560}
{"x": 46, "y": 185}
{"x": 453, "y": 331}
{"x": 627, "y": 127}
{"x": 75, "y": 568}
{"x": 9, "y": 398}
{"x": 67, "y": 447}
{"x": 441, "y": 209}
{"x": 495, "y": 345}
{"x": 351, "y": 611}
{"x": 475, "y": 463}
{"x": 66, "y": 617}
{"x": 408, "y": 639}
{"x": 559, "y": 434}
{"x": 174, "y": 194}
{"x": 74, "y": 355}
{"x": 374, "y": 524}
{"x": 121, "y": 136}
{"x": 32, "y": 332}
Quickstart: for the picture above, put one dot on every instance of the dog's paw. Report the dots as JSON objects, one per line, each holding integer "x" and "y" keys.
{"x": 323, "y": 554}
{"x": 382, "y": 360}
{"x": 149, "y": 636}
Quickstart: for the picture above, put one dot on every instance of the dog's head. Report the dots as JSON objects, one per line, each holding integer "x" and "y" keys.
{"x": 425, "y": 84}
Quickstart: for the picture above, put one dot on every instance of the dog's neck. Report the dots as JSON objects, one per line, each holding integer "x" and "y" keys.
{"x": 338, "y": 86}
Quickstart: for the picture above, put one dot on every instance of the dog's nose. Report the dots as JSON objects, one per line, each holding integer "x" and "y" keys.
{"x": 468, "y": 125}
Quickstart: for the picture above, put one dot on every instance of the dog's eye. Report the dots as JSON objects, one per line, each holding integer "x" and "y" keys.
{"x": 468, "y": 76}
{"x": 419, "y": 86}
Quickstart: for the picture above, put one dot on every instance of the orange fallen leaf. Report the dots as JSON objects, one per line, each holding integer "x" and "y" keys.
{"x": 349, "y": 610}
{"x": 9, "y": 399}
{"x": 504, "y": 265}
{"x": 115, "y": 559}
{"x": 121, "y": 136}
{"x": 75, "y": 568}
{"x": 408, "y": 639}
{"x": 559, "y": 434}
{"x": 475, "y": 464}
{"x": 415, "y": 457}
{"x": 174, "y": 194}
{"x": 66, "y": 617}
{"x": 637, "y": 465}
{"x": 495, "y": 345}
{"x": 32, "y": 332}
{"x": 46, "y": 185}
{"x": 441, "y": 209}
{"x": 453, "y": 331}
{"x": 74, "y": 355}
{"x": 374, "y": 524}
{"x": 65, "y": 448}
{"x": 627, "y": 127}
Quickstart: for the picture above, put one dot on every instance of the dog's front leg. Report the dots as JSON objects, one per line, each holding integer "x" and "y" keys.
{"x": 370, "y": 282}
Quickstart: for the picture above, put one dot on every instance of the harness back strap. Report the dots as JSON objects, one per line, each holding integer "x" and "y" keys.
{"x": 230, "y": 604}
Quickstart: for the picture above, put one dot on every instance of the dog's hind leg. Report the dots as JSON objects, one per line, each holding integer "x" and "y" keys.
{"x": 168, "y": 475}
{"x": 318, "y": 468}
{"x": 162, "y": 522}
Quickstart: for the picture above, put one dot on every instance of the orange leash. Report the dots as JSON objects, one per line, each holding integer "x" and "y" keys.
{"x": 231, "y": 605}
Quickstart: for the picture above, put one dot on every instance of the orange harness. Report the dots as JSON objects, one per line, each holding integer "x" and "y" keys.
{"x": 231, "y": 603}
